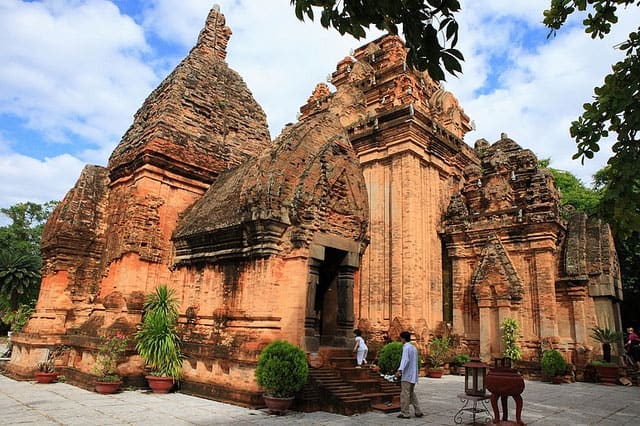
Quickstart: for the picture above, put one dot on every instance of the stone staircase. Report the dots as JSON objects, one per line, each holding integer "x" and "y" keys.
{"x": 340, "y": 387}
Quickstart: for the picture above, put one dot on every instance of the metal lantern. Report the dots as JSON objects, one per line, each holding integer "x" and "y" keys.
{"x": 475, "y": 372}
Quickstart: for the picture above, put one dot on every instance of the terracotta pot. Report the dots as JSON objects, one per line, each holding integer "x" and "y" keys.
{"x": 45, "y": 377}
{"x": 435, "y": 373}
{"x": 556, "y": 380}
{"x": 107, "y": 387}
{"x": 160, "y": 384}
{"x": 607, "y": 375}
{"x": 278, "y": 406}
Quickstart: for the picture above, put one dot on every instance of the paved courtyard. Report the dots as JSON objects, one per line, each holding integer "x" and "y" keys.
{"x": 544, "y": 404}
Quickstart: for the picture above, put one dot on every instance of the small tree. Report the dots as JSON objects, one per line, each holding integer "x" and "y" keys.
{"x": 157, "y": 340}
{"x": 509, "y": 328}
{"x": 438, "y": 351}
{"x": 606, "y": 337}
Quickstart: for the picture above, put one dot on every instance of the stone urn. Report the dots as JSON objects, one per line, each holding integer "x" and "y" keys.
{"x": 503, "y": 381}
{"x": 107, "y": 387}
{"x": 278, "y": 406}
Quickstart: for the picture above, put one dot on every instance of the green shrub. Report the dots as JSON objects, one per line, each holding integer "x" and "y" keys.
{"x": 597, "y": 363}
{"x": 282, "y": 369}
{"x": 460, "y": 359}
{"x": 389, "y": 358}
{"x": 552, "y": 362}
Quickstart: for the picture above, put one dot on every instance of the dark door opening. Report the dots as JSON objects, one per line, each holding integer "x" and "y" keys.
{"x": 327, "y": 301}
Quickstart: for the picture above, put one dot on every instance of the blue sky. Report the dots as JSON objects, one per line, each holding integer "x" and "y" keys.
{"x": 75, "y": 71}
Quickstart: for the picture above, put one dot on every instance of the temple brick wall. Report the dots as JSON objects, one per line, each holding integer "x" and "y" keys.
{"x": 371, "y": 211}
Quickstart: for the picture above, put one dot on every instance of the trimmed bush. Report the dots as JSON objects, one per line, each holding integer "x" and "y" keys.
{"x": 553, "y": 364}
{"x": 282, "y": 369}
{"x": 389, "y": 358}
{"x": 460, "y": 359}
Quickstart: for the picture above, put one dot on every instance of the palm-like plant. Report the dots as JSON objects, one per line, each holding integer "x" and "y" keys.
{"x": 606, "y": 337}
{"x": 158, "y": 342}
{"x": 19, "y": 277}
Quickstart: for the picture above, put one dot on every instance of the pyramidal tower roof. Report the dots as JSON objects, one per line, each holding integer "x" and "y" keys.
{"x": 201, "y": 120}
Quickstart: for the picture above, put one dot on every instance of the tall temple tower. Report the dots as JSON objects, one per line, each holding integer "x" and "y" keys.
{"x": 409, "y": 143}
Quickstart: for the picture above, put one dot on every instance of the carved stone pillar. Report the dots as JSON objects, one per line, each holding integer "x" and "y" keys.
{"x": 577, "y": 296}
{"x": 311, "y": 326}
{"x": 484, "y": 306}
{"x": 345, "y": 304}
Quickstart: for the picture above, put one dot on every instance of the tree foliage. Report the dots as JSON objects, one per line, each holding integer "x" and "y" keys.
{"x": 19, "y": 277}
{"x": 615, "y": 108}
{"x": 20, "y": 260}
{"x": 25, "y": 231}
{"x": 574, "y": 192}
{"x": 429, "y": 27}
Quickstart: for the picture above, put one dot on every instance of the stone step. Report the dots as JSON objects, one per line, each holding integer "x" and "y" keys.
{"x": 345, "y": 389}
{"x": 386, "y": 407}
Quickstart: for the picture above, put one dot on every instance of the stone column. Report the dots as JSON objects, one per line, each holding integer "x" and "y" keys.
{"x": 311, "y": 332}
{"x": 345, "y": 305}
{"x": 484, "y": 307}
{"x": 577, "y": 295}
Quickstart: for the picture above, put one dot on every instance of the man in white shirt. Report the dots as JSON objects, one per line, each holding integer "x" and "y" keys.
{"x": 408, "y": 370}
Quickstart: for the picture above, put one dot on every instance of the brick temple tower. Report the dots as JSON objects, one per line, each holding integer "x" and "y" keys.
{"x": 370, "y": 212}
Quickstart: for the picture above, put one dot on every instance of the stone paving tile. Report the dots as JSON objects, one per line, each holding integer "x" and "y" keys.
{"x": 544, "y": 404}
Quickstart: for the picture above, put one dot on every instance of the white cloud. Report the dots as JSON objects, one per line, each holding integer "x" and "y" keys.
{"x": 43, "y": 181}
{"x": 280, "y": 58}
{"x": 72, "y": 69}
{"x": 540, "y": 91}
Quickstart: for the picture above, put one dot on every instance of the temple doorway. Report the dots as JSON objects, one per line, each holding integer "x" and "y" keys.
{"x": 327, "y": 301}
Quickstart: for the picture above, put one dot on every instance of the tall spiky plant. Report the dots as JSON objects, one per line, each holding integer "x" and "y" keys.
{"x": 158, "y": 342}
{"x": 606, "y": 337}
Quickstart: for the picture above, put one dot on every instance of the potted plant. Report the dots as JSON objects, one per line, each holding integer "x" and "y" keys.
{"x": 110, "y": 351}
{"x": 157, "y": 339}
{"x": 510, "y": 328}
{"x": 438, "y": 351}
{"x": 457, "y": 363}
{"x": 389, "y": 358}
{"x": 282, "y": 371}
{"x": 606, "y": 372}
{"x": 46, "y": 371}
{"x": 553, "y": 365}
{"x": 606, "y": 337}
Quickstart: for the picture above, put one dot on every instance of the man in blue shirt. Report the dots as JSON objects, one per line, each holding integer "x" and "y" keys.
{"x": 409, "y": 371}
